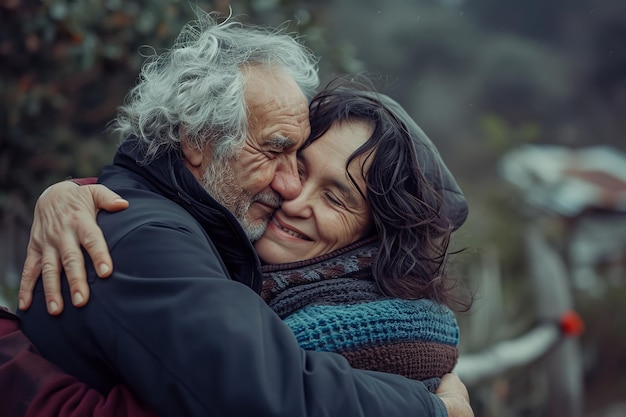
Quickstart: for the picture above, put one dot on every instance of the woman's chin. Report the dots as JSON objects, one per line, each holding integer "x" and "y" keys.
{"x": 270, "y": 252}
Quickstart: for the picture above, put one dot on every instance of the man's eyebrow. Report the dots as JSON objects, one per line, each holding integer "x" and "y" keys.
{"x": 280, "y": 142}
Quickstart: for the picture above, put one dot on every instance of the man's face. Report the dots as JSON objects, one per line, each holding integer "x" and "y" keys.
{"x": 253, "y": 183}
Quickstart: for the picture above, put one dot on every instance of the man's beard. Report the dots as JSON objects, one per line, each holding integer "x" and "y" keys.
{"x": 220, "y": 182}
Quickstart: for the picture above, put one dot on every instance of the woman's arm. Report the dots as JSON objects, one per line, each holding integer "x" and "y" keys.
{"x": 65, "y": 220}
{"x": 65, "y": 396}
{"x": 33, "y": 387}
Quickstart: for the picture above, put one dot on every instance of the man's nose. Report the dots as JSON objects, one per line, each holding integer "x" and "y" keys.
{"x": 301, "y": 206}
{"x": 287, "y": 181}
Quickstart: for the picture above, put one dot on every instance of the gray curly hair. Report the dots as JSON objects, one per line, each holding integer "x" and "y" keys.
{"x": 198, "y": 86}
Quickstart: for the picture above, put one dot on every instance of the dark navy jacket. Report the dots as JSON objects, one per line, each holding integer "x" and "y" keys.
{"x": 181, "y": 323}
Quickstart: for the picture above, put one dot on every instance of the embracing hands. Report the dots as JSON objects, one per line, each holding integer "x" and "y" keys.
{"x": 65, "y": 219}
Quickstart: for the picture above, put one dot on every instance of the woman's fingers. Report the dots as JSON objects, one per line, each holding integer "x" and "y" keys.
{"x": 65, "y": 220}
{"x": 89, "y": 234}
{"x": 30, "y": 274}
{"x": 50, "y": 274}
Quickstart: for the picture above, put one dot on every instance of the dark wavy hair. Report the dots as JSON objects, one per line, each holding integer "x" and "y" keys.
{"x": 407, "y": 208}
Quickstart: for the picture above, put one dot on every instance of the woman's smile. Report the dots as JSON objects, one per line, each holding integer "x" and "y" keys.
{"x": 278, "y": 227}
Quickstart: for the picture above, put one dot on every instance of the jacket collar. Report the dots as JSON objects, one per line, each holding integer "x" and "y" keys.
{"x": 168, "y": 176}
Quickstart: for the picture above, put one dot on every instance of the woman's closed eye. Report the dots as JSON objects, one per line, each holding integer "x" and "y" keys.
{"x": 332, "y": 199}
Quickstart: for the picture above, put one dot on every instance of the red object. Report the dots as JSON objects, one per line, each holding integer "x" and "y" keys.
{"x": 30, "y": 386}
{"x": 85, "y": 181}
{"x": 571, "y": 324}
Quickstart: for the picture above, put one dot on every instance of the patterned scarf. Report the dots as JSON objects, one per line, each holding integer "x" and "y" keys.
{"x": 332, "y": 303}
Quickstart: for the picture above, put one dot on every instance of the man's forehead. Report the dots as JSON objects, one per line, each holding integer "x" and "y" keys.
{"x": 277, "y": 109}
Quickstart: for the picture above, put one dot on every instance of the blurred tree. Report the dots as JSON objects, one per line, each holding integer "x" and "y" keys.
{"x": 481, "y": 76}
{"x": 67, "y": 65}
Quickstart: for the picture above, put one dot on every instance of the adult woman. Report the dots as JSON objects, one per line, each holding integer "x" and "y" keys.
{"x": 373, "y": 222}
{"x": 370, "y": 225}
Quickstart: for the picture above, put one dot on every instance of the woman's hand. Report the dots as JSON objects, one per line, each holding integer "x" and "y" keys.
{"x": 65, "y": 219}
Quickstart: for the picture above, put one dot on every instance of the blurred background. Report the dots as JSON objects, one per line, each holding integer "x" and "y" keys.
{"x": 525, "y": 99}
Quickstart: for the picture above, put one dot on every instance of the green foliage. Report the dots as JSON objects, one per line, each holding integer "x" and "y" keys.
{"x": 501, "y": 136}
{"x": 481, "y": 76}
{"x": 67, "y": 65}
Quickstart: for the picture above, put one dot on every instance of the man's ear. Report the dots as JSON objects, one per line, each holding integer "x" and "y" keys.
{"x": 194, "y": 156}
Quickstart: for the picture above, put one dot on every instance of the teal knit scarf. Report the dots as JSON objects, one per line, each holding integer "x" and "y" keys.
{"x": 331, "y": 303}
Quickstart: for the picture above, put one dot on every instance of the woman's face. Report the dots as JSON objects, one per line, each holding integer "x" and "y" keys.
{"x": 329, "y": 213}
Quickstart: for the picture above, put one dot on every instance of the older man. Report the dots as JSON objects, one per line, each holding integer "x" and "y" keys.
{"x": 211, "y": 135}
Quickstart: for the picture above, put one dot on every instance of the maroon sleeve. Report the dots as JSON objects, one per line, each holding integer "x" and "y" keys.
{"x": 30, "y": 386}
{"x": 64, "y": 396}
{"x": 85, "y": 181}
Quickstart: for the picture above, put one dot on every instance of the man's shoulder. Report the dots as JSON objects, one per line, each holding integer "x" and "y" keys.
{"x": 145, "y": 205}
{"x": 146, "y": 209}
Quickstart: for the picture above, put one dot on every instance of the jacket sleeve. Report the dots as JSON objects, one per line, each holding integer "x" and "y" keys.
{"x": 190, "y": 341}
{"x": 31, "y": 386}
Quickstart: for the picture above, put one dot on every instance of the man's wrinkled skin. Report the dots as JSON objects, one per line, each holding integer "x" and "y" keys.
{"x": 71, "y": 216}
